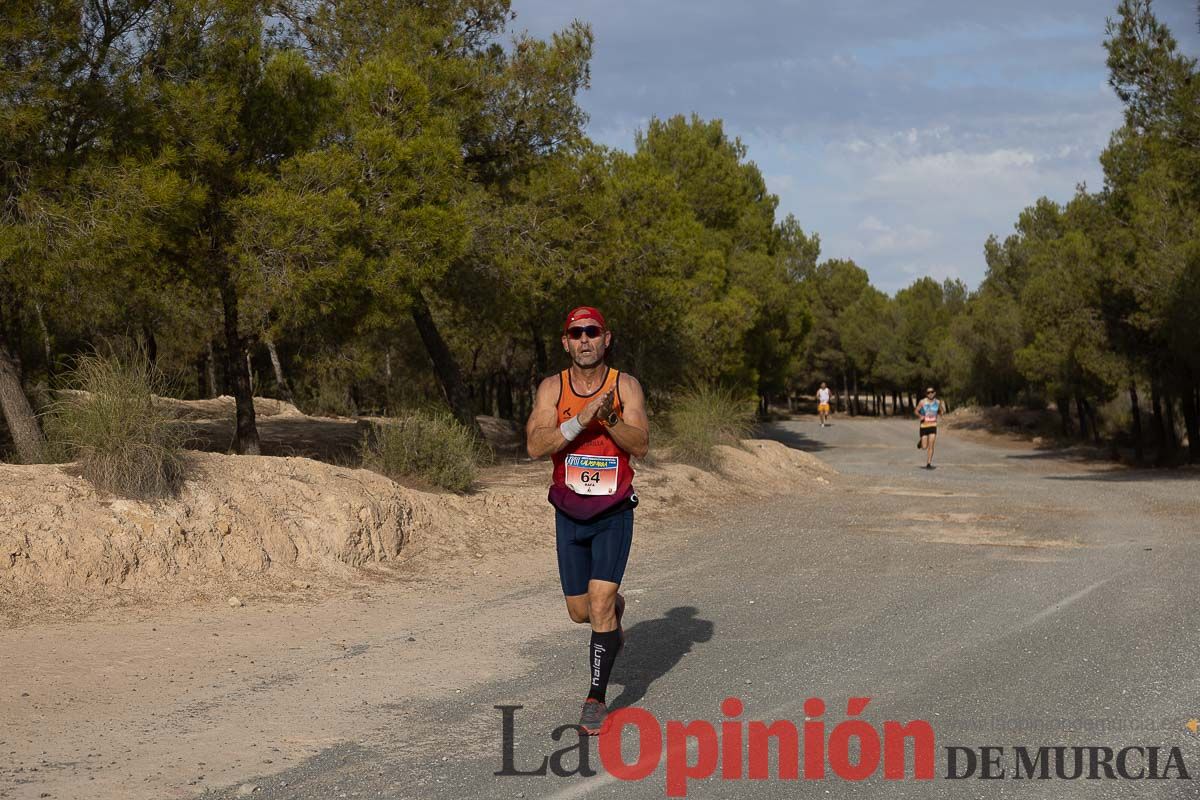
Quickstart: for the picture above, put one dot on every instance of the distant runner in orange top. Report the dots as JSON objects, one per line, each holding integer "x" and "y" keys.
{"x": 590, "y": 419}
{"x": 823, "y": 395}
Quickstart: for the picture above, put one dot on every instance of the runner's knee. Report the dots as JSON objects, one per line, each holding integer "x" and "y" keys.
{"x": 602, "y": 606}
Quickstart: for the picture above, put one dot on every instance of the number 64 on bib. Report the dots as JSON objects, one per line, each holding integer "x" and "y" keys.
{"x": 591, "y": 474}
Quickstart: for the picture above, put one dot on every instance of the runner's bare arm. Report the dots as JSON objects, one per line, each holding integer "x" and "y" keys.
{"x": 632, "y": 433}
{"x": 542, "y": 434}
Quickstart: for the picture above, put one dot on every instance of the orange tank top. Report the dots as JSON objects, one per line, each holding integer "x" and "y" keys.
{"x": 592, "y": 473}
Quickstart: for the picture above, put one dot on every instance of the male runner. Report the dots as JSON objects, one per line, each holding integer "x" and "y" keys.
{"x": 823, "y": 395}
{"x": 590, "y": 419}
{"x": 928, "y": 411}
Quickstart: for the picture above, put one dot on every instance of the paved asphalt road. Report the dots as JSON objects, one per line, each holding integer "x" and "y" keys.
{"x": 1008, "y": 597}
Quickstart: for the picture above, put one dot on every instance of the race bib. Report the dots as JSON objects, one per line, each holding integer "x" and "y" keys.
{"x": 591, "y": 474}
{"x": 930, "y": 418}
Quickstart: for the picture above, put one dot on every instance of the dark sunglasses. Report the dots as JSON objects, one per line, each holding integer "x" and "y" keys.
{"x": 930, "y": 392}
{"x": 592, "y": 331}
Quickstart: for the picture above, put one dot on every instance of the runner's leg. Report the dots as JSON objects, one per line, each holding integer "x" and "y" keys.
{"x": 574, "y": 566}
{"x": 610, "y": 541}
{"x": 606, "y": 640}
{"x": 931, "y": 438}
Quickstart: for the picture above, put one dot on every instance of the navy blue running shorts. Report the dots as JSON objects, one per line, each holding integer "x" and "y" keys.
{"x": 595, "y": 550}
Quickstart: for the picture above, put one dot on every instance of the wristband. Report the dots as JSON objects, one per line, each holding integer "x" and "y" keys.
{"x": 570, "y": 429}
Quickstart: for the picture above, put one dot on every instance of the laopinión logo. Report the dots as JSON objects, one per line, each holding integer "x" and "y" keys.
{"x": 853, "y": 749}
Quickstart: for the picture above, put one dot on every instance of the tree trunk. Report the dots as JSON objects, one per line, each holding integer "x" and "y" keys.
{"x": 845, "y": 394}
{"x": 1082, "y": 414}
{"x": 201, "y": 369}
{"x": 285, "y": 391}
{"x": 541, "y": 361}
{"x": 857, "y": 410}
{"x": 37, "y": 307}
{"x": 1091, "y": 415}
{"x": 1189, "y": 419}
{"x": 1157, "y": 426}
{"x": 150, "y": 344}
{"x": 521, "y": 411}
{"x": 18, "y": 414}
{"x": 1136, "y": 412}
{"x": 1172, "y": 442}
{"x": 246, "y": 438}
{"x": 387, "y": 378}
{"x": 1064, "y": 414}
{"x": 444, "y": 365}
{"x": 504, "y": 396}
{"x": 211, "y": 366}
{"x": 503, "y": 384}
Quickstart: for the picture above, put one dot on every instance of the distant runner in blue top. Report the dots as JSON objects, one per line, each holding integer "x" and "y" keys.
{"x": 928, "y": 411}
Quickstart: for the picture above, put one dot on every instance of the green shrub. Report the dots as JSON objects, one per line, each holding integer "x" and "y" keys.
{"x": 704, "y": 417}
{"x": 327, "y": 397}
{"x": 431, "y": 446}
{"x": 108, "y": 422}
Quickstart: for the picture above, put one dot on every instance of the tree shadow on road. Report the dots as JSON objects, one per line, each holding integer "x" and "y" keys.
{"x": 1132, "y": 475}
{"x": 653, "y": 648}
{"x": 790, "y": 438}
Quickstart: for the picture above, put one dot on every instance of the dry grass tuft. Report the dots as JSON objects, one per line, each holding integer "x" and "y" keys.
{"x": 124, "y": 442}
{"x": 704, "y": 417}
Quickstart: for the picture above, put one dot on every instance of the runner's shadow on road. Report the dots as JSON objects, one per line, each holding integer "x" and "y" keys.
{"x": 653, "y": 648}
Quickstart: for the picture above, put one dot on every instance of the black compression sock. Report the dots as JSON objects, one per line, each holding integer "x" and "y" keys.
{"x": 602, "y": 653}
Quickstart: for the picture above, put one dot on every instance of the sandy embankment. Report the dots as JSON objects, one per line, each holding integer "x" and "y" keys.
{"x": 262, "y": 526}
{"x": 128, "y": 676}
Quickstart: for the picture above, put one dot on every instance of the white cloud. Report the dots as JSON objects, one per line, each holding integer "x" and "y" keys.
{"x": 938, "y": 271}
{"x": 956, "y": 172}
{"x": 777, "y": 184}
{"x": 881, "y": 239}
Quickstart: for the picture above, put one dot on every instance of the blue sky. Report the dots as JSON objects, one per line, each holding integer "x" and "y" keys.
{"x": 903, "y": 133}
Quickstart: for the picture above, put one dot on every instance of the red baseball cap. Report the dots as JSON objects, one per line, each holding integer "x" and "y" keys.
{"x": 584, "y": 312}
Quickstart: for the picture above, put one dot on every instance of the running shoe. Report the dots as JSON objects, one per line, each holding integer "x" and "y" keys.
{"x": 593, "y": 716}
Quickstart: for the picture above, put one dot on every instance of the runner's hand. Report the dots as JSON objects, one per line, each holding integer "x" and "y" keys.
{"x": 606, "y": 407}
{"x": 594, "y": 408}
